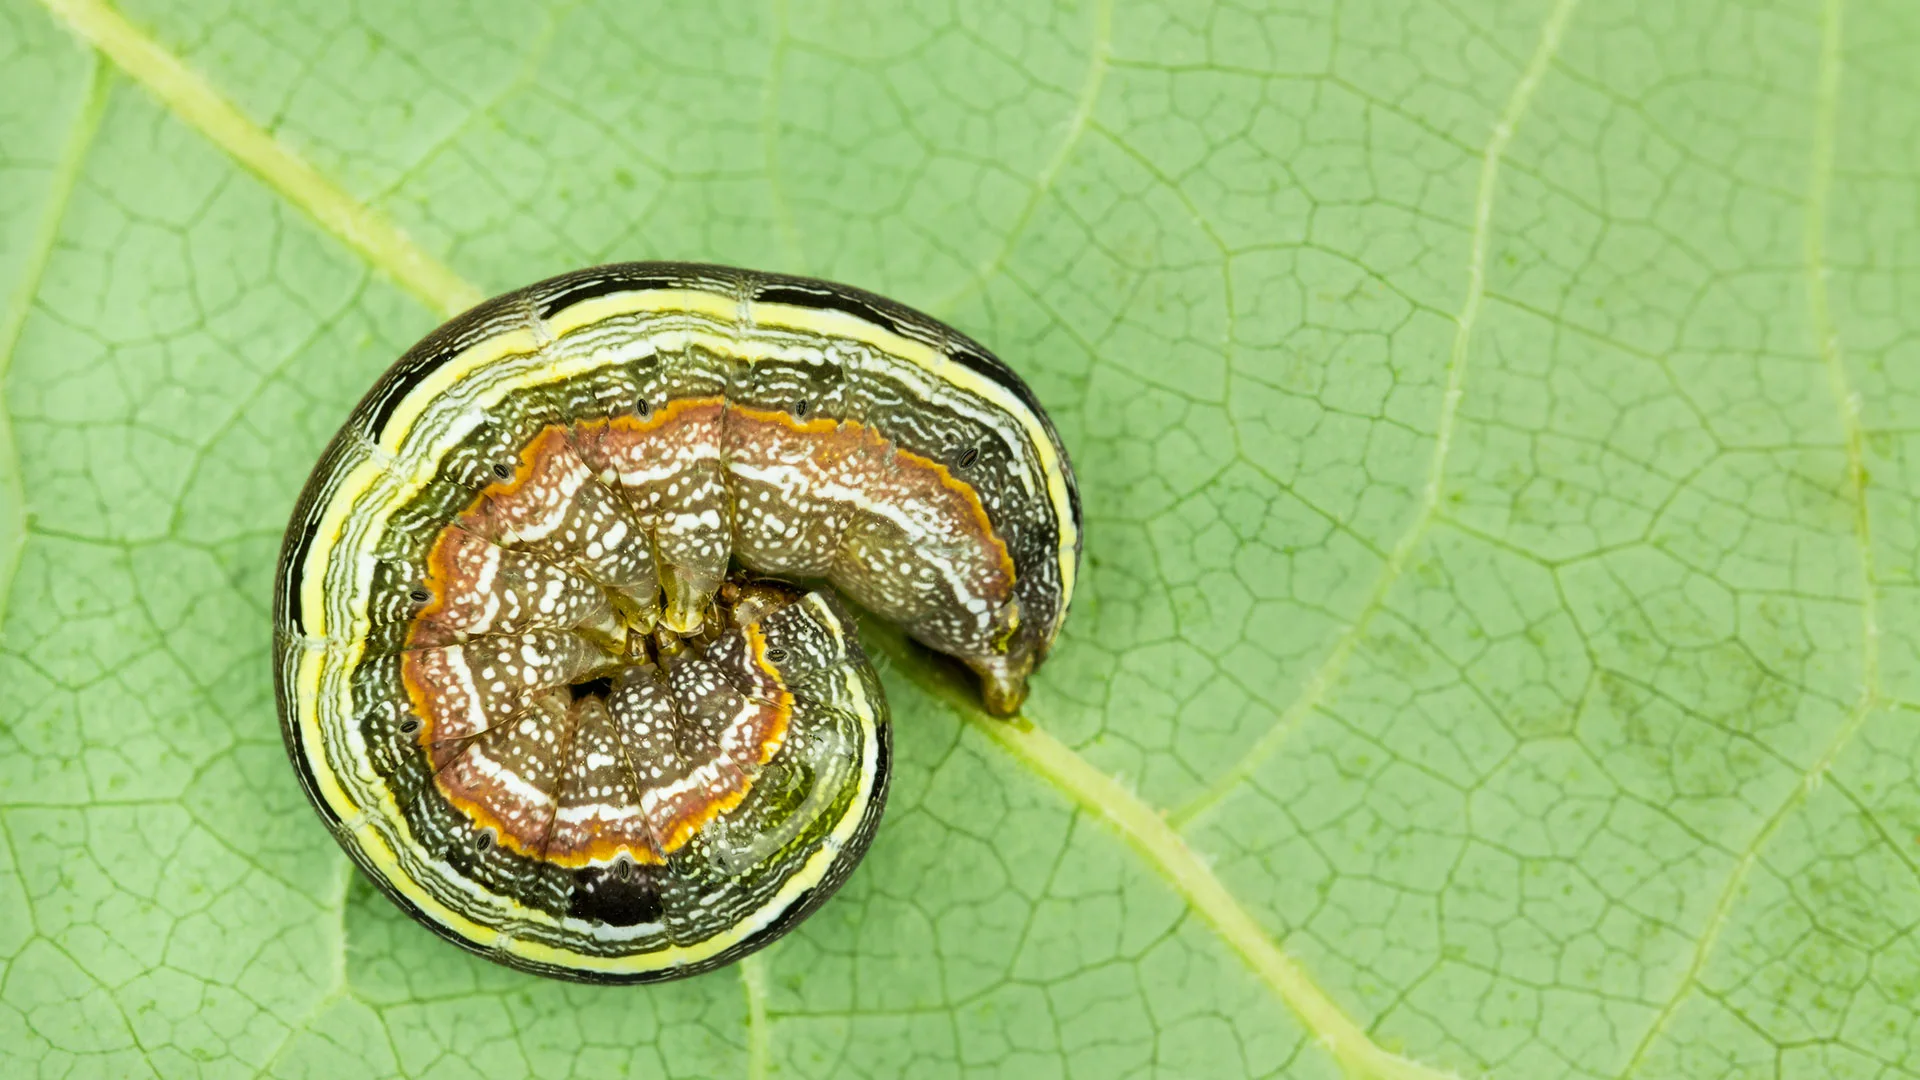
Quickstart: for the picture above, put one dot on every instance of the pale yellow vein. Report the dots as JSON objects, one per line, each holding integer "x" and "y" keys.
{"x": 1827, "y": 337}
{"x": 1156, "y": 841}
{"x": 339, "y": 988}
{"x": 1334, "y": 664}
{"x": 60, "y": 187}
{"x": 1098, "y": 62}
{"x": 753, "y": 983}
{"x": 190, "y": 97}
{"x": 1853, "y": 435}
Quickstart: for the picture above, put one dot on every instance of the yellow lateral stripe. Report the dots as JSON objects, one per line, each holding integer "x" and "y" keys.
{"x": 491, "y": 349}
{"x": 194, "y": 100}
{"x": 313, "y": 743}
{"x": 587, "y": 313}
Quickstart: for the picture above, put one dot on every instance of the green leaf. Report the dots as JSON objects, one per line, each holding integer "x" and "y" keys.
{"x": 1496, "y": 422}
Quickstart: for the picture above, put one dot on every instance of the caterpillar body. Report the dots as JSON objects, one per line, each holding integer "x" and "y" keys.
{"x": 541, "y": 661}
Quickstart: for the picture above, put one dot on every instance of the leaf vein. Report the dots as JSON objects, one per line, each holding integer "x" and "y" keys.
{"x": 1328, "y": 673}
{"x": 66, "y": 176}
{"x": 1099, "y": 62}
{"x": 753, "y": 983}
{"x": 1827, "y": 345}
{"x": 194, "y": 100}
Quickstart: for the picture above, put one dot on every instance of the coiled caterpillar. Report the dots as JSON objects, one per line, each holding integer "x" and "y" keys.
{"x": 530, "y": 664}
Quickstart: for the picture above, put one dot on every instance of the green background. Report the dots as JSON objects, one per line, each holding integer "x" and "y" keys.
{"x": 1497, "y": 423}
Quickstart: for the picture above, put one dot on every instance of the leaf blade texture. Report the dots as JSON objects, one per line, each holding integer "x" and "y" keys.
{"x": 1496, "y": 426}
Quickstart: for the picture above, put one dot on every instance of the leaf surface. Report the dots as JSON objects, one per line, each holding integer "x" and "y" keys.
{"x": 1496, "y": 423}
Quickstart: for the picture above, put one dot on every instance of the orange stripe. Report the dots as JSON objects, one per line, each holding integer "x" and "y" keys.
{"x": 682, "y": 830}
